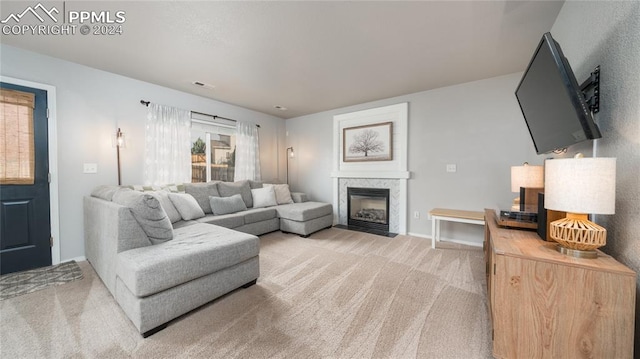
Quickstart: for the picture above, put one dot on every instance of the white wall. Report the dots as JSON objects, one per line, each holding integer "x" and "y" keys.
{"x": 478, "y": 126}
{"x": 92, "y": 104}
{"x": 608, "y": 34}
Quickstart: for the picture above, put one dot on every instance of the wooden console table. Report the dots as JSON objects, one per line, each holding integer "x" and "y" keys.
{"x": 451, "y": 215}
{"x": 544, "y": 304}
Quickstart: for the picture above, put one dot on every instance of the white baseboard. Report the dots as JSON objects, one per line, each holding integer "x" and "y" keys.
{"x": 460, "y": 241}
{"x": 77, "y": 259}
{"x": 453, "y": 240}
{"x": 419, "y": 235}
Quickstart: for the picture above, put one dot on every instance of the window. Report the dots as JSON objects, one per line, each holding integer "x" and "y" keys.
{"x": 213, "y": 149}
{"x": 17, "y": 153}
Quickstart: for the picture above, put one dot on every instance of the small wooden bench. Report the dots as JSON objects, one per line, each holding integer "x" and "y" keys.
{"x": 451, "y": 215}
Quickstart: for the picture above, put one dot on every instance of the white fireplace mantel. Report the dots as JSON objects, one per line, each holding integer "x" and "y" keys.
{"x": 371, "y": 174}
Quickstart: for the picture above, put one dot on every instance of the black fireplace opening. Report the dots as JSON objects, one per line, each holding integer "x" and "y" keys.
{"x": 368, "y": 209}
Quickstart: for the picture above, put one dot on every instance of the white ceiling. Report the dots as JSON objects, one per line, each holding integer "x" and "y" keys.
{"x": 306, "y": 56}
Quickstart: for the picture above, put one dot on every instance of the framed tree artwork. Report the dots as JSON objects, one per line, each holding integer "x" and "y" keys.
{"x": 368, "y": 143}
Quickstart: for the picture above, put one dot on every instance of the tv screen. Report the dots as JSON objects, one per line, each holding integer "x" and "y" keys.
{"x": 551, "y": 101}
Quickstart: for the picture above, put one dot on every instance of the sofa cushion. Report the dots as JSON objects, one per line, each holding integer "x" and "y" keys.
{"x": 227, "y": 205}
{"x": 146, "y": 209}
{"x": 228, "y": 189}
{"x": 255, "y": 184}
{"x": 201, "y": 192}
{"x": 299, "y": 197}
{"x": 187, "y": 206}
{"x": 264, "y": 197}
{"x": 304, "y": 211}
{"x": 259, "y": 214}
{"x": 195, "y": 251}
{"x": 167, "y": 205}
{"x": 180, "y": 224}
{"x": 232, "y": 220}
{"x": 283, "y": 195}
{"x": 105, "y": 192}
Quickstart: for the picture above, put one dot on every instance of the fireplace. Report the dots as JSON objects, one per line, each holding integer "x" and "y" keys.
{"x": 368, "y": 209}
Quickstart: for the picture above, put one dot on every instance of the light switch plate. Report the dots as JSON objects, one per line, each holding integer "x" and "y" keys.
{"x": 90, "y": 168}
{"x": 451, "y": 168}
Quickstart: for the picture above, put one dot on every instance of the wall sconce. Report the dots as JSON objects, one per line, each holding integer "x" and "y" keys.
{"x": 119, "y": 142}
{"x": 525, "y": 180}
{"x": 580, "y": 186}
{"x": 289, "y": 154}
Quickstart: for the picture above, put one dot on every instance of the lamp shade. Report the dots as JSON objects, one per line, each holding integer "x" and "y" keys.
{"x": 580, "y": 185}
{"x": 526, "y": 176}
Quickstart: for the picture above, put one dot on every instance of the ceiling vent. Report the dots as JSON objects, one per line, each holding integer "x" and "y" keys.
{"x": 203, "y": 85}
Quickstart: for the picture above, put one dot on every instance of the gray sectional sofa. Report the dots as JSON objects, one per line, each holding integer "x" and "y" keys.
{"x": 167, "y": 250}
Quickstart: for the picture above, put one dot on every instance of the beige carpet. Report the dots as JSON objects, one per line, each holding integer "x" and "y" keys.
{"x": 337, "y": 294}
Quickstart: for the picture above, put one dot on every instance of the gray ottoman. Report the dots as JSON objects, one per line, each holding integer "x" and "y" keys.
{"x": 305, "y": 218}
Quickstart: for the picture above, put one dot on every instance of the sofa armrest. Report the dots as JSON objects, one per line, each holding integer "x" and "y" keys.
{"x": 299, "y": 197}
{"x": 109, "y": 229}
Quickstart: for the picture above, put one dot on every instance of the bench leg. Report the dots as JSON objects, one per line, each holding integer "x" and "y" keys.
{"x": 433, "y": 233}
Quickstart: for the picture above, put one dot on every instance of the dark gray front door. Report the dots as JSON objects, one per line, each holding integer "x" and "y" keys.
{"x": 25, "y": 227}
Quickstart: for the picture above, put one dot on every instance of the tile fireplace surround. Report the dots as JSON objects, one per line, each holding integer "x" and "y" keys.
{"x": 394, "y": 194}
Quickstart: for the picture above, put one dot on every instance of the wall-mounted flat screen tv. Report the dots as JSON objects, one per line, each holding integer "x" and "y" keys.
{"x": 553, "y": 105}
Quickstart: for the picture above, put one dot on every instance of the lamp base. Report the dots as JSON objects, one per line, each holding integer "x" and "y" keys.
{"x": 576, "y": 232}
{"x": 577, "y": 253}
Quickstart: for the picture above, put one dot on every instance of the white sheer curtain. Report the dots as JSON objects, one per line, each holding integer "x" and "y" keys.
{"x": 247, "y": 152}
{"x": 167, "y": 152}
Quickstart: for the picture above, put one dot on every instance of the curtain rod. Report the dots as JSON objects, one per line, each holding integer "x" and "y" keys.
{"x": 146, "y": 103}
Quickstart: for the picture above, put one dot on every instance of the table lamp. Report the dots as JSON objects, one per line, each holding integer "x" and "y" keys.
{"x": 580, "y": 186}
{"x": 522, "y": 178}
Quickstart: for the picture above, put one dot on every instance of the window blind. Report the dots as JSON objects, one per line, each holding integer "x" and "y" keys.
{"x": 17, "y": 150}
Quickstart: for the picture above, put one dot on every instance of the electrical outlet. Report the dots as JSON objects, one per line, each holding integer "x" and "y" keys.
{"x": 451, "y": 168}
{"x": 416, "y": 215}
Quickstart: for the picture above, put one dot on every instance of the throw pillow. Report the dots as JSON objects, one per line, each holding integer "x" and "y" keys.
{"x": 144, "y": 188}
{"x": 226, "y": 205}
{"x": 228, "y": 189}
{"x": 148, "y": 212}
{"x": 264, "y": 197}
{"x": 174, "y": 187}
{"x": 167, "y": 205}
{"x": 201, "y": 192}
{"x": 187, "y": 206}
{"x": 283, "y": 195}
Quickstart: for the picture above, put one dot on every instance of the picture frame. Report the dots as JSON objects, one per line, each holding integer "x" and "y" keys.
{"x": 368, "y": 143}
